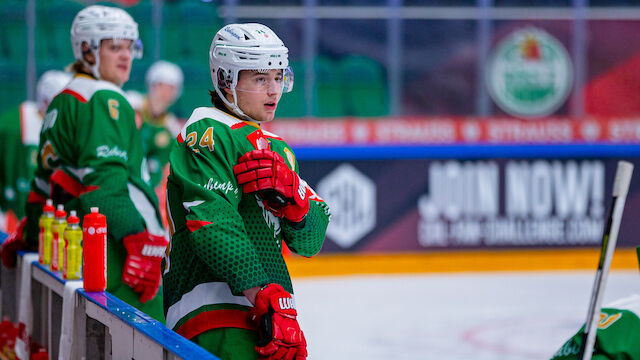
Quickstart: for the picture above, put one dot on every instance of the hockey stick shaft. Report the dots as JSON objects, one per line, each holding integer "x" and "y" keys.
{"x": 609, "y": 238}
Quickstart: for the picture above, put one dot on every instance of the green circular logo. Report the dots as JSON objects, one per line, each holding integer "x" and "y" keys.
{"x": 530, "y": 73}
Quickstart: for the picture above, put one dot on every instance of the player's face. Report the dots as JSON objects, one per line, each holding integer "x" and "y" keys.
{"x": 259, "y": 93}
{"x": 163, "y": 95}
{"x": 115, "y": 60}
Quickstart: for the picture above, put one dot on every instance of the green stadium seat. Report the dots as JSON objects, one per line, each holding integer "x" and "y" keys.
{"x": 13, "y": 48}
{"x": 13, "y": 35}
{"x": 52, "y": 35}
{"x": 365, "y": 86}
{"x": 12, "y": 78}
{"x": 328, "y": 94}
{"x": 142, "y": 14}
{"x": 46, "y": 44}
{"x": 195, "y": 92}
{"x": 189, "y": 41}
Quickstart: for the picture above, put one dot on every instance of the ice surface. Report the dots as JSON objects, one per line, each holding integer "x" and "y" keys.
{"x": 479, "y": 316}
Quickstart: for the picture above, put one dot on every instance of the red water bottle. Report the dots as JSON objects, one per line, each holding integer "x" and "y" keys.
{"x": 94, "y": 251}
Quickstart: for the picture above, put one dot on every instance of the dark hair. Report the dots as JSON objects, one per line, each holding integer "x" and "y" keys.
{"x": 217, "y": 101}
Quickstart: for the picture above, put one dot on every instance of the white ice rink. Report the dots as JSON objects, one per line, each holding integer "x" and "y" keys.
{"x": 470, "y": 316}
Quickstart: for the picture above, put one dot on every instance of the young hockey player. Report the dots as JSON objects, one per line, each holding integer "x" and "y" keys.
{"x": 234, "y": 195}
{"x": 160, "y": 127}
{"x": 90, "y": 155}
{"x": 19, "y": 134}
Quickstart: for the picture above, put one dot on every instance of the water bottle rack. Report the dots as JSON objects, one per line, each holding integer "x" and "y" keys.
{"x": 73, "y": 324}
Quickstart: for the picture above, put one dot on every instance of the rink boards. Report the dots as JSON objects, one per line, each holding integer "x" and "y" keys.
{"x": 458, "y": 261}
{"x": 519, "y": 195}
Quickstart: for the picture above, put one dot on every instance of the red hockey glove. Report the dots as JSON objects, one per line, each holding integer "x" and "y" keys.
{"x": 284, "y": 193}
{"x": 279, "y": 333}
{"x": 142, "y": 266}
{"x": 10, "y": 247}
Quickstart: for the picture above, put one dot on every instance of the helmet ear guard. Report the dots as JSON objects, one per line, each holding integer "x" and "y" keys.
{"x": 224, "y": 78}
{"x": 85, "y": 48}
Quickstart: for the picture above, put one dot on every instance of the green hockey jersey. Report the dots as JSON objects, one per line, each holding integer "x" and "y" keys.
{"x": 224, "y": 241}
{"x": 617, "y": 337}
{"x": 158, "y": 136}
{"x": 19, "y": 136}
{"x": 157, "y": 143}
{"x": 90, "y": 155}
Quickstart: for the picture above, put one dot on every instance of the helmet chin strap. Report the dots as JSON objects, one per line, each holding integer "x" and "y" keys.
{"x": 235, "y": 108}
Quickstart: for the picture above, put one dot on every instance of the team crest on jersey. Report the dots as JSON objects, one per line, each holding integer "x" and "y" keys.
{"x": 258, "y": 140}
{"x": 48, "y": 153}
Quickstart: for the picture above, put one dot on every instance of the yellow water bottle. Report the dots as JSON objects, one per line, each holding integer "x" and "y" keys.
{"x": 45, "y": 236}
{"x": 72, "y": 261}
{"x": 57, "y": 242}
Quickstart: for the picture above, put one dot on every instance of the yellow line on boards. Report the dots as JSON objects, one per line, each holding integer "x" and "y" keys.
{"x": 457, "y": 261}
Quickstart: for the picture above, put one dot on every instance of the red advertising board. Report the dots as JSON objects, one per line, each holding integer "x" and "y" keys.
{"x": 456, "y": 130}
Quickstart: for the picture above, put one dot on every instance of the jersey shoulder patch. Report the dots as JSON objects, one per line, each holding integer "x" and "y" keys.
{"x": 83, "y": 88}
{"x": 209, "y": 113}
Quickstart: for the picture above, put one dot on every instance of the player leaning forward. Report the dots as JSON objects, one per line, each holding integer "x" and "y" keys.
{"x": 234, "y": 195}
{"x": 90, "y": 154}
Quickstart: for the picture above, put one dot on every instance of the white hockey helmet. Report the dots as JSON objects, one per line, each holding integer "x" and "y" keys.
{"x": 49, "y": 85}
{"x": 96, "y": 23}
{"x": 238, "y": 47}
{"x": 165, "y": 72}
{"x": 135, "y": 99}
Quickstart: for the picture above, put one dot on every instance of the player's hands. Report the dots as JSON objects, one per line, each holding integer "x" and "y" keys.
{"x": 264, "y": 172}
{"x": 279, "y": 333}
{"x": 142, "y": 266}
{"x": 14, "y": 242}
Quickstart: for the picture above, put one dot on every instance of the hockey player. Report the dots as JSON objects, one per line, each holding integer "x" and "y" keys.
{"x": 234, "y": 195}
{"x": 19, "y": 134}
{"x": 90, "y": 155}
{"x": 617, "y": 333}
{"x": 159, "y": 127}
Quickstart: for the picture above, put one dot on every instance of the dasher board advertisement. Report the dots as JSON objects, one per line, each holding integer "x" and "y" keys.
{"x": 418, "y": 204}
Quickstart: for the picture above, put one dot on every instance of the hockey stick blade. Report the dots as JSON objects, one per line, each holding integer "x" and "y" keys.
{"x": 609, "y": 238}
